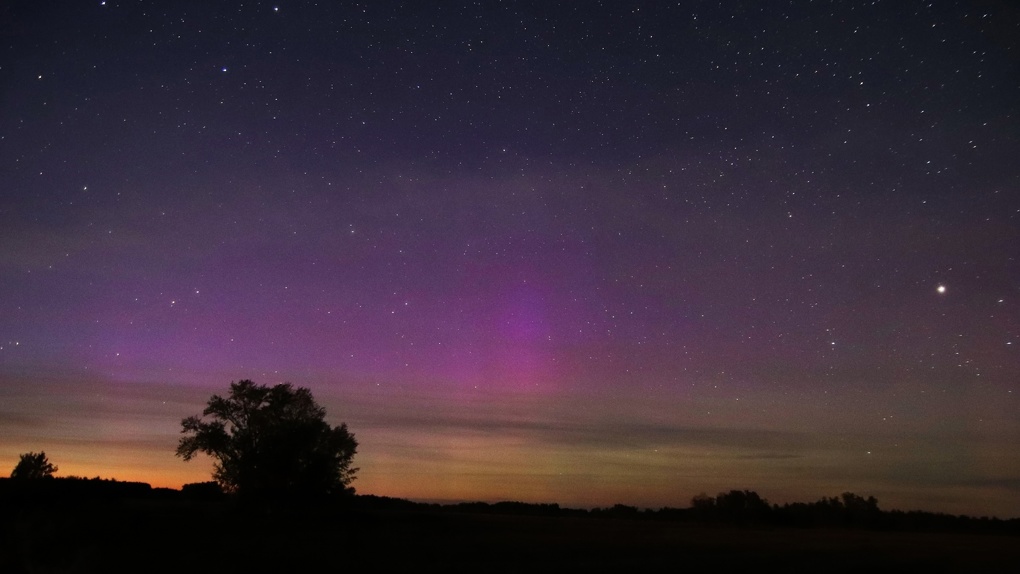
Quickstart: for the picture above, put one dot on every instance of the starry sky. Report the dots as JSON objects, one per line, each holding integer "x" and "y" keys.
{"x": 577, "y": 252}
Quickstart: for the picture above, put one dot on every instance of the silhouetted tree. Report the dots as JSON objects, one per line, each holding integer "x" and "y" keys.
{"x": 271, "y": 441}
{"x": 735, "y": 506}
{"x": 741, "y": 506}
{"x": 859, "y": 510}
{"x": 703, "y": 507}
{"x": 33, "y": 465}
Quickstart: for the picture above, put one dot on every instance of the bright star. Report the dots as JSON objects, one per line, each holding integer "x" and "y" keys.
{"x": 941, "y": 289}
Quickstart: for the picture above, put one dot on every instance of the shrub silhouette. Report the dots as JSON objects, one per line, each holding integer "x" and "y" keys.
{"x": 33, "y": 465}
{"x": 202, "y": 491}
{"x": 735, "y": 507}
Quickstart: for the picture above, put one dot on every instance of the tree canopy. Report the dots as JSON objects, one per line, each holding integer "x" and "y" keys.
{"x": 33, "y": 465}
{"x": 271, "y": 441}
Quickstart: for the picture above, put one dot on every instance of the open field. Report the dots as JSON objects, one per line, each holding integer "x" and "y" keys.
{"x": 189, "y": 536}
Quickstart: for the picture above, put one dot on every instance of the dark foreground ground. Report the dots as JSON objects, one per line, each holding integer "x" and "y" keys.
{"x": 196, "y": 536}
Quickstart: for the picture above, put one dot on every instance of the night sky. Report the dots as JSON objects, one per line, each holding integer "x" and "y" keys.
{"x": 576, "y": 252}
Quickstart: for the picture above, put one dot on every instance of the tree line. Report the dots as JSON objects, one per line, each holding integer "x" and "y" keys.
{"x": 273, "y": 443}
{"x": 746, "y": 508}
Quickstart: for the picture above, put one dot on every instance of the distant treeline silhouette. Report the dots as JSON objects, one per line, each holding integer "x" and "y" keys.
{"x": 740, "y": 508}
{"x": 735, "y": 508}
{"x": 747, "y": 508}
{"x": 76, "y": 488}
{"x": 743, "y": 508}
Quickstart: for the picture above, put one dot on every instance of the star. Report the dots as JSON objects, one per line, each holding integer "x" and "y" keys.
{"x": 941, "y": 289}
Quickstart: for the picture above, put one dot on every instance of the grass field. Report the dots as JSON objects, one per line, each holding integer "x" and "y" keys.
{"x": 186, "y": 537}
